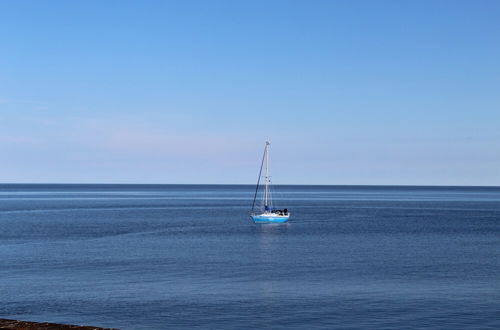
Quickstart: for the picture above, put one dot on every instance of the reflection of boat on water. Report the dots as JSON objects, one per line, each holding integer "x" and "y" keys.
{"x": 267, "y": 214}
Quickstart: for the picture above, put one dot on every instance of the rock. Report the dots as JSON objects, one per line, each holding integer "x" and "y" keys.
{"x": 23, "y": 325}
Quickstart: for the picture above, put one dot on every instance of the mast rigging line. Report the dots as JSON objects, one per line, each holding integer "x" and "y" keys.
{"x": 260, "y": 174}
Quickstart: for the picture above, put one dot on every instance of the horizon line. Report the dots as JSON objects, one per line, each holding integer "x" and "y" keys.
{"x": 249, "y": 184}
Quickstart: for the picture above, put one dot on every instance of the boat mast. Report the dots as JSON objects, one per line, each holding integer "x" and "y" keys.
{"x": 260, "y": 175}
{"x": 267, "y": 178}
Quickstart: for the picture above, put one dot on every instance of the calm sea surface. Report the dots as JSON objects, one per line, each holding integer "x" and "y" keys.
{"x": 188, "y": 256}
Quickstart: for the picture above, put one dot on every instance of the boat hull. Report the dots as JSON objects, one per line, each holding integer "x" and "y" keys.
{"x": 263, "y": 218}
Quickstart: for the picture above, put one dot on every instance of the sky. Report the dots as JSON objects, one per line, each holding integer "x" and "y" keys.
{"x": 347, "y": 92}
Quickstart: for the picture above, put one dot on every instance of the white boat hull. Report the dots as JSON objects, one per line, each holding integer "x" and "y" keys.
{"x": 270, "y": 218}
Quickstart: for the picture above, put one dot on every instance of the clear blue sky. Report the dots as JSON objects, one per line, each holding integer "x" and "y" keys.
{"x": 348, "y": 92}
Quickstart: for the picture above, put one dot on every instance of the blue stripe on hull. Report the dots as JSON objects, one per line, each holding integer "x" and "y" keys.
{"x": 260, "y": 219}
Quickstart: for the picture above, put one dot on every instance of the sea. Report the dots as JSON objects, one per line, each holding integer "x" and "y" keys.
{"x": 189, "y": 257}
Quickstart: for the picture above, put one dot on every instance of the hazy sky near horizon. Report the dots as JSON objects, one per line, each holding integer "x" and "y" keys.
{"x": 348, "y": 92}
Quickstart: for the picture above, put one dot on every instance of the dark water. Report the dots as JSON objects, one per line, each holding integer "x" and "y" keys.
{"x": 169, "y": 256}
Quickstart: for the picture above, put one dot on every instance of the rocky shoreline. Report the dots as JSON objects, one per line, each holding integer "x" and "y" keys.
{"x": 24, "y": 325}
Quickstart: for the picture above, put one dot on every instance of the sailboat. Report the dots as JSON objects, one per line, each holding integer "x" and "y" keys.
{"x": 268, "y": 214}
